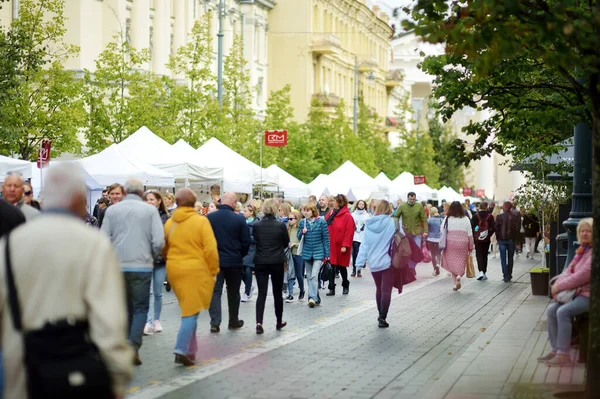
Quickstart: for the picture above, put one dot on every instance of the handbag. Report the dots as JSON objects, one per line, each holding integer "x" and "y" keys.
{"x": 301, "y": 243}
{"x": 563, "y": 296}
{"x": 442, "y": 244}
{"x": 326, "y": 271}
{"x": 60, "y": 359}
{"x": 470, "y": 267}
{"x": 425, "y": 251}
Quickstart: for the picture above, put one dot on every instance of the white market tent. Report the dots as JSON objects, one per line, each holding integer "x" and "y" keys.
{"x": 449, "y": 194}
{"x": 349, "y": 177}
{"x": 239, "y": 173}
{"x": 402, "y": 185}
{"x": 318, "y": 186}
{"x": 151, "y": 149}
{"x": 113, "y": 166}
{"x": 384, "y": 182}
{"x": 292, "y": 188}
{"x": 8, "y": 165}
{"x": 182, "y": 147}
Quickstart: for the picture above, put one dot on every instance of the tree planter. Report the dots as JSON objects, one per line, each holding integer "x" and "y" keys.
{"x": 540, "y": 280}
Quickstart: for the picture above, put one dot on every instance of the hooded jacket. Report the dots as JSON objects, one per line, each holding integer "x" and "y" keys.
{"x": 360, "y": 218}
{"x": 375, "y": 245}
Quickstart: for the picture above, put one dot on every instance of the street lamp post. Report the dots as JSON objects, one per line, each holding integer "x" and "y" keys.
{"x": 220, "y": 57}
{"x": 355, "y": 95}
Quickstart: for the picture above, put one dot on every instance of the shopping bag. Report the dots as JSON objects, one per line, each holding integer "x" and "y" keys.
{"x": 470, "y": 267}
{"x": 426, "y": 254}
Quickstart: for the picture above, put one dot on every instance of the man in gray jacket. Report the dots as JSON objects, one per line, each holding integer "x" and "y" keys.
{"x": 136, "y": 232}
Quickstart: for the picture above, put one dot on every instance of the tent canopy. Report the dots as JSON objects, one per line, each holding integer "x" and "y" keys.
{"x": 113, "y": 166}
{"x": 152, "y": 150}
{"x": 291, "y": 187}
{"x": 318, "y": 185}
{"x": 8, "y": 165}
{"x": 182, "y": 147}
{"x": 239, "y": 173}
{"x": 384, "y": 182}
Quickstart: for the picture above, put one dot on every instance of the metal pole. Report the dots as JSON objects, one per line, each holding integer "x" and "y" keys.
{"x": 41, "y": 171}
{"x": 220, "y": 57}
{"x": 355, "y": 94}
{"x": 261, "y": 168}
{"x": 15, "y": 9}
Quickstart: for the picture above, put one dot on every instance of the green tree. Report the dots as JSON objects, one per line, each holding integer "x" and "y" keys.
{"x": 451, "y": 172}
{"x": 40, "y": 99}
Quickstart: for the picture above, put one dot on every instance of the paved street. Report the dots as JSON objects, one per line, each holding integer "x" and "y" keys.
{"x": 440, "y": 344}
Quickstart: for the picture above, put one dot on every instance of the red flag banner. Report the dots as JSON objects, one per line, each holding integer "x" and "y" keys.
{"x": 276, "y": 138}
{"x": 467, "y": 191}
{"x": 44, "y": 153}
{"x": 480, "y": 193}
{"x": 420, "y": 179}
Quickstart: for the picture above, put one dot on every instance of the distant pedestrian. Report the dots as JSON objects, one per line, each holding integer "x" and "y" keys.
{"x": 494, "y": 241}
{"x": 360, "y": 215}
{"x": 341, "y": 233}
{"x": 250, "y": 213}
{"x": 13, "y": 191}
{"x": 116, "y": 192}
{"x": 434, "y": 224}
{"x": 66, "y": 273}
{"x": 10, "y": 217}
{"x": 374, "y": 252}
{"x": 315, "y": 249}
{"x": 483, "y": 229}
{"x": 312, "y": 199}
{"x": 272, "y": 239}
{"x": 192, "y": 264}
{"x": 136, "y": 232}
{"x": 292, "y": 228}
{"x": 508, "y": 224}
{"x": 170, "y": 204}
{"x": 96, "y": 212}
{"x": 28, "y": 198}
{"x": 324, "y": 206}
{"x": 532, "y": 231}
{"x": 213, "y": 207}
{"x": 233, "y": 241}
{"x": 414, "y": 221}
{"x": 459, "y": 242}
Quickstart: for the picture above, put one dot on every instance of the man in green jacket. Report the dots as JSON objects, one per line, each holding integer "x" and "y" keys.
{"x": 414, "y": 220}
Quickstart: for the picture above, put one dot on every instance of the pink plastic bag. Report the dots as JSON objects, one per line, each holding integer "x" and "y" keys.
{"x": 426, "y": 254}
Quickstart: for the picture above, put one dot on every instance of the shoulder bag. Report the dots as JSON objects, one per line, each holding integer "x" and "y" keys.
{"x": 60, "y": 359}
{"x": 301, "y": 243}
{"x": 442, "y": 244}
{"x": 563, "y": 296}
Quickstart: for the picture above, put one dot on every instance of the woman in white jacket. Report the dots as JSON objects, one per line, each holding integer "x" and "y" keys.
{"x": 360, "y": 216}
{"x": 378, "y": 234}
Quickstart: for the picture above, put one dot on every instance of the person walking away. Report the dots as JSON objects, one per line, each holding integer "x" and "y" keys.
{"x": 159, "y": 273}
{"x": 13, "y": 192}
{"x": 374, "y": 251}
{"x": 233, "y": 241}
{"x": 576, "y": 276}
{"x": 508, "y": 224}
{"x": 136, "y": 232}
{"x": 360, "y": 216}
{"x": 292, "y": 228}
{"x": 271, "y": 241}
{"x": 192, "y": 264}
{"x": 250, "y": 213}
{"x": 64, "y": 270}
{"x": 494, "y": 241}
{"x": 434, "y": 223}
{"x": 414, "y": 221}
{"x": 341, "y": 233}
{"x": 532, "y": 231}
{"x": 315, "y": 249}
{"x": 324, "y": 208}
{"x": 483, "y": 230}
{"x": 459, "y": 242}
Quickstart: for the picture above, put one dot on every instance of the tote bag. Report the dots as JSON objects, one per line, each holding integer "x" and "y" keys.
{"x": 301, "y": 243}
{"x": 470, "y": 267}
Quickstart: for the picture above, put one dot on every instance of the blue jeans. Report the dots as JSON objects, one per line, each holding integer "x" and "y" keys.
{"x": 313, "y": 267}
{"x": 299, "y": 269}
{"x": 137, "y": 286}
{"x": 158, "y": 277}
{"x": 247, "y": 279}
{"x": 187, "y": 344}
{"x": 507, "y": 248}
{"x": 560, "y": 317}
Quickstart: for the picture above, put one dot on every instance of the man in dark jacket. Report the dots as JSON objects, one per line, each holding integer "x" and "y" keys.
{"x": 233, "y": 241}
{"x": 507, "y": 232}
{"x": 483, "y": 230}
{"x": 10, "y": 217}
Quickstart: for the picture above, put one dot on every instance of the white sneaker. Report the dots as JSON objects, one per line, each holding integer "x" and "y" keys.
{"x": 251, "y": 291}
{"x": 245, "y": 298}
{"x": 157, "y": 326}
{"x": 480, "y": 276}
{"x": 484, "y": 277}
{"x": 311, "y": 303}
{"x": 148, "y": 329}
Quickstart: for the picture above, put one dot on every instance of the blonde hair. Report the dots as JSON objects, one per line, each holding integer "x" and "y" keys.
{"x": 270, "y": 207}
{"x": 310, "y": 207}
{"x": 585, "y": 222}
{"x": 383, "y": 208}
{"x": 286, "y": 208}
{"x": 434, "y": 211}
{"x": 238, "y": 206}
{"x": 298, "y": 217}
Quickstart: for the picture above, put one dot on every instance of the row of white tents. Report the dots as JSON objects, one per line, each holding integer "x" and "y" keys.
{"x": 155, "y": 162}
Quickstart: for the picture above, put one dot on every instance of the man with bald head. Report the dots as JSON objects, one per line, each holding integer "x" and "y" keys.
{"x": 12, "y": 190}
{"x": 233, "y": 241}
{"x": 136, "y": 231}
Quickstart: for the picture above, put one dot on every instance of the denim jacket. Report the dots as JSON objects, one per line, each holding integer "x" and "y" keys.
{"x": 435, "y": 228}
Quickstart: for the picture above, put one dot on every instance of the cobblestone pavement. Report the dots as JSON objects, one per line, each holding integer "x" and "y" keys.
{"x": 336, "y": 350}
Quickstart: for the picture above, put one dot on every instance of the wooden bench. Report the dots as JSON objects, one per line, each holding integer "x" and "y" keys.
{"x": 581, "y": 324}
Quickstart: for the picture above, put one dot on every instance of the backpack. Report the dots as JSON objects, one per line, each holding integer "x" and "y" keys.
{"x": 482, "y": 234}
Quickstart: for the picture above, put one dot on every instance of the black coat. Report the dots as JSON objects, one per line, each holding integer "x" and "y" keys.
{"x": 272, "y": 239}
{"x": 531, "y": 225}
{"x": 232, "y": 234}
{"x": 10, "y": 217}
{"x": 508, "y": 226}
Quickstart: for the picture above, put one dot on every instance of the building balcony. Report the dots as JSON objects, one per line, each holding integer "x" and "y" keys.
{"x": 326, "y": 44}
{"x": 328, "y": 100}
{"x": 393, "y": 78}
{"x": 367, "y": 64}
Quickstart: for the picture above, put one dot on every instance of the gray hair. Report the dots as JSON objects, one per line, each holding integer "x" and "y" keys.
{"x": 63, "y": 182}
{"x": 134, "y": 186}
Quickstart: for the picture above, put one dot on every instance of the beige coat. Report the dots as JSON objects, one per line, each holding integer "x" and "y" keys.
{"x": 64, "y": 268}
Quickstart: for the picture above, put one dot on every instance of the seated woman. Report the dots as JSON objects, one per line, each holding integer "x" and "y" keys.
{"x": 576, "y": 276}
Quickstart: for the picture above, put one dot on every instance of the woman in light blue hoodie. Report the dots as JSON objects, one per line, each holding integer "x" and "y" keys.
{"x": 374, "y": 248}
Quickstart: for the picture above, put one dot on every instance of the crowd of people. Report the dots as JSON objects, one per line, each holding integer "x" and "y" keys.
{"x": 114, "y": 274}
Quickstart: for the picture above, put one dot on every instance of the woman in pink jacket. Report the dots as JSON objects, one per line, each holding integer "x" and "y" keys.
{"x": 576, "y": 276}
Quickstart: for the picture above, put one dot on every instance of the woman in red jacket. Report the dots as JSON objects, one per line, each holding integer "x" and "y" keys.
{"x": 341, "y": 233}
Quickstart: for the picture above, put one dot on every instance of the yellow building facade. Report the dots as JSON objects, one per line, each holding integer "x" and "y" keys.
{"x": 319, "y": 47}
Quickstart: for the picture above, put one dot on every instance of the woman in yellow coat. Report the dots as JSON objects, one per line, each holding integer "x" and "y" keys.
{"x": 192, "y": 264}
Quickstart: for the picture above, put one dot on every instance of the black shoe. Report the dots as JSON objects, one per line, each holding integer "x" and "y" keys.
{"x": 259, "y": 329}
{"x": 331, "y": 292}
{"x": 214, "y": 329}
{"x": 281, "y": 325}
{"x": 301, "y": 295}
{"x": 383, "y": 323}
{"x": 182, "y": 359}
{"x": 289, "y": 299}
{"x": 136, "y": 359}
{"x": 346, "y": 288}
{"x": 353, "y": 274}
{"x": 237, "y": 325}
{"x": 358, "y": 274}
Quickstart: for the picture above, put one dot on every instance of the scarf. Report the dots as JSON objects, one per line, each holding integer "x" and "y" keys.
{"x": 332, "y": 216}
{"x": 579, "y": 252}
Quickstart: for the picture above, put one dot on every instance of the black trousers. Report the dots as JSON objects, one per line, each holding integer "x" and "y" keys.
{"x": 481, "y": 253}
{"x": 355, "y": 248}
{"x": 262, "y": 273}
{"x": 384, "y": 281}
{"x": 343, "y": 272}
{"x": 232, "y": 276}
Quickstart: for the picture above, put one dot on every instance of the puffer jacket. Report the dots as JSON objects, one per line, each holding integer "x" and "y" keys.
{"x": 316, "y": 239}
{"x": 272, "y": 239}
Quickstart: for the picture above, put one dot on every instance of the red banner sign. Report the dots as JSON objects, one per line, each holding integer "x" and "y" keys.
{"x": 44, "y": 154}
{"x": 276, "y": 138}
{"x": 467, "y": 191}
{"x": 420, "y": 179}
{"x": 480, "y": 193}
